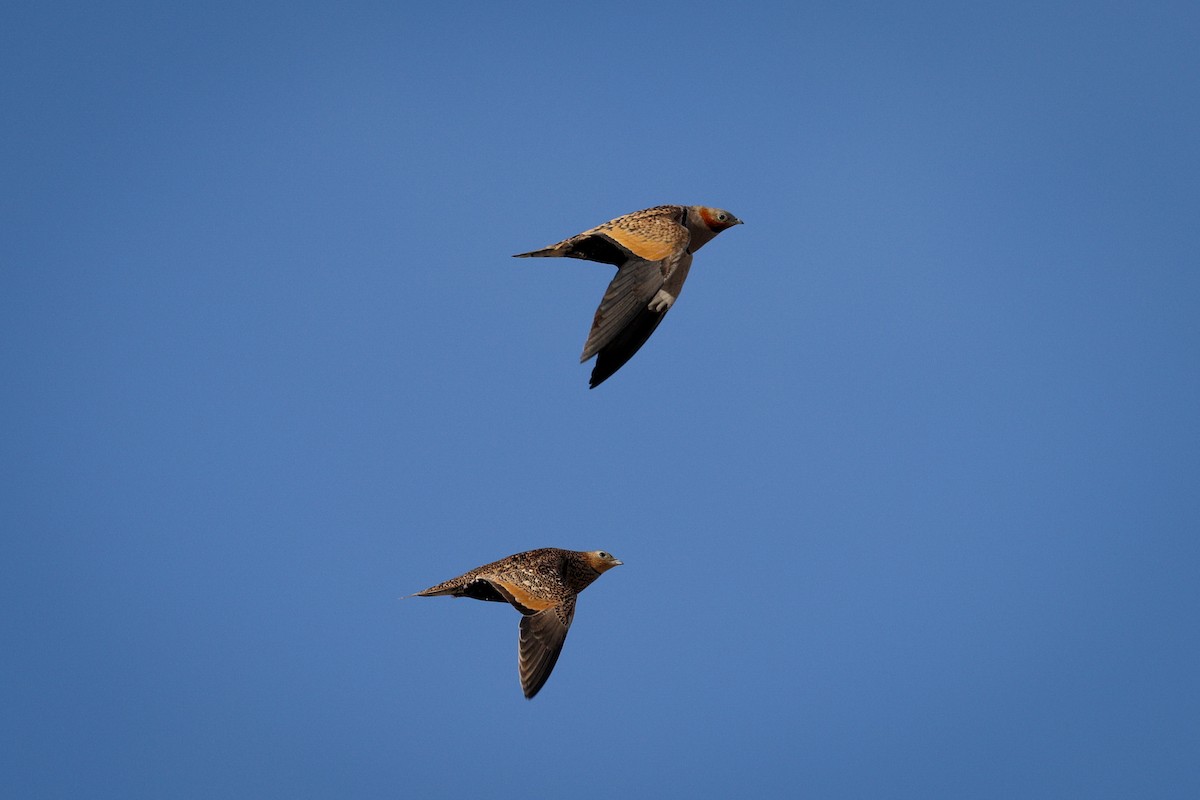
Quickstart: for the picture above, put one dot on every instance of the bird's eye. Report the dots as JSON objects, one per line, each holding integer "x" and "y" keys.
{"x": 721, "y": 217}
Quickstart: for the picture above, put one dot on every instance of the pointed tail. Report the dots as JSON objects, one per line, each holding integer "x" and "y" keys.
{"x": 545, "y": 252}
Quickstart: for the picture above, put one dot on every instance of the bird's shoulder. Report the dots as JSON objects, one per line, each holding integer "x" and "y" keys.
{"x": 537, "y": 571}
{"x": 652, "y": 234}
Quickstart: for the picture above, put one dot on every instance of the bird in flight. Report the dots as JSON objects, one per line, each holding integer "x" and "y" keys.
{"x": 652, "y": 251}
{"x": 542, "y": 585}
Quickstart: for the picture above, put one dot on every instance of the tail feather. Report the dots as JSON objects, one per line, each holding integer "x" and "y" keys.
{"x": 545, "y": 252}
{"x": 437, "y": 591}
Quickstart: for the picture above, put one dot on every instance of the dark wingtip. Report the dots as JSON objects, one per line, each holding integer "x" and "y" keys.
{"x": 599, "y": 376}
{"x": 617, "y": 353}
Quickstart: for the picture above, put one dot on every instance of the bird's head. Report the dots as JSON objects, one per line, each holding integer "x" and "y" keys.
{"x": 601, "y": 561}
{"x": 717, "y": 219}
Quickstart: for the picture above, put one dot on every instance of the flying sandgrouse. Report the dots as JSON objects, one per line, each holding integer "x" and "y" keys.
{"x": 542, "y": 585}
{"x": 652, "y": 250}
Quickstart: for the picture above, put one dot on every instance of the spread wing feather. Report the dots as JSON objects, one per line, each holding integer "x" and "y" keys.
{"x": 542, "y": 637}
{"x": 628, "y": 340}
{"x": 630, "y": 291}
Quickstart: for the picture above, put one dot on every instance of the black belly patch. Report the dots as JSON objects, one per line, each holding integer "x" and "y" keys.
{"x": 483, "y": 590}
{"x": 599, "y": 248}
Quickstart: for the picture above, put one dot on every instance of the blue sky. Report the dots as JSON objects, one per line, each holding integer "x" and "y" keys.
{"x": 906, "y": 485}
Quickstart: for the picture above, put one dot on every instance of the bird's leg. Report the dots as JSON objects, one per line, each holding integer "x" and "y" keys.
{"x": 662, "y": 301}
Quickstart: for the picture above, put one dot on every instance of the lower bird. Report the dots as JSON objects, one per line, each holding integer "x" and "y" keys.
{"x": 652, "y": 251}
{"x": 542, "y": 585}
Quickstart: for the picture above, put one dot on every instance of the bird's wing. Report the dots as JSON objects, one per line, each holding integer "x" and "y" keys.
{"x": 542, "y": 637}
{"x": 631, "y": 290}
{"x": 625, "y": 343}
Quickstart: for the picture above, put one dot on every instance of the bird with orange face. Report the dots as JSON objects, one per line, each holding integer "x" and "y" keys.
{"x": 652, "y": 251}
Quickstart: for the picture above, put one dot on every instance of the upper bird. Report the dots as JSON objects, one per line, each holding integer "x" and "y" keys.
{"x": 652, "y": 250}
{"x": 542, "y": 585}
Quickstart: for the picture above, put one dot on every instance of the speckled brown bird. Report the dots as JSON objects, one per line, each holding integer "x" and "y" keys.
{"x": 542, "y": 585}
{"x": 652, "y": 250}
